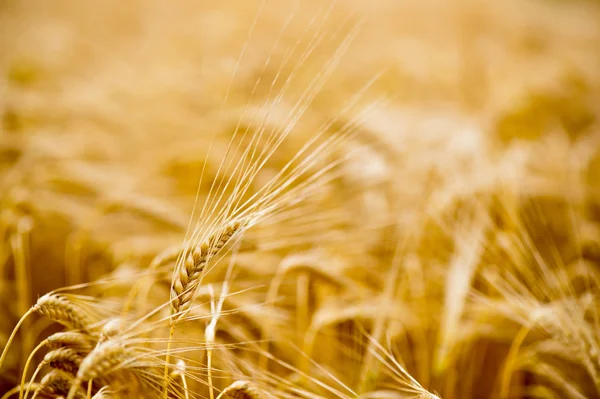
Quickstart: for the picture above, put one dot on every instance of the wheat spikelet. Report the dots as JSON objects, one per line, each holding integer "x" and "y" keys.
{"x": 187, "y": 277}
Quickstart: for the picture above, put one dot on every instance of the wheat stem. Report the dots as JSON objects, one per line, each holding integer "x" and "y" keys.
{"x": 29, "y": 358}
{"x": 37, "y": 370}
{"x": 510, "y": 360}
{"x": 14, "y": 390}
{"x": 209, "y": 366}
{"x": 12, "y": 335}
{"x": 167, "y": 359}
{"x": 18, "y": 244}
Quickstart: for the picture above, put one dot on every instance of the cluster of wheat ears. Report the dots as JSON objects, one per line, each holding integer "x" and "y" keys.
{"x": 300, "y": 199}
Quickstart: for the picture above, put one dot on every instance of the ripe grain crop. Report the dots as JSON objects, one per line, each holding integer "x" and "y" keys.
{"x": 300, "y": 199}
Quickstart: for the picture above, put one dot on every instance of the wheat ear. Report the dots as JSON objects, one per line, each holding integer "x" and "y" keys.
{"x": 60, "y": 310}
{"x": 57, "y": 309}
{"x": 64, "y": 359}
{"x": 239, "y": 390}
{"x": 77, "y": 341}
{"x": 80, "y": 342}
{"x": 102, "y": 360}
{"x": 56, "y": 383}
{"x": 187, "y": 278}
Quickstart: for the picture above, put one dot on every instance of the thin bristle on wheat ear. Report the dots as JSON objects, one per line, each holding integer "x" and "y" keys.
{"x": 187, "y": 278}
{"x": 103, "y": 393}
{"x": 239, "y": 390}
{"x": 60, "y": 310}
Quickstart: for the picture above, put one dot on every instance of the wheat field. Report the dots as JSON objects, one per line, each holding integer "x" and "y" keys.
{"x": 282, "y": 199}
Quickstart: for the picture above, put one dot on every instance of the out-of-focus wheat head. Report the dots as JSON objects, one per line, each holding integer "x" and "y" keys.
{"x": 300, "y": 199}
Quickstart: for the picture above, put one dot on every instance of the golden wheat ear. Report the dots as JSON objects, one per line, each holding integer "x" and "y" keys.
{"x": 79, "y": 342}
{"x": 55, "y": 383}
{"x": 187, "y": 278}
{"x": 104, "y": 359}
{"x": 188, "y": 275}
{"x": 58, "y": 309}
{"x": 240, "y": 390}
{"x": 65, "y": 360}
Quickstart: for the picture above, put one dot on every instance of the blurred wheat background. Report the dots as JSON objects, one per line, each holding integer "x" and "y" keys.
{"x": 300, "y": 199}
